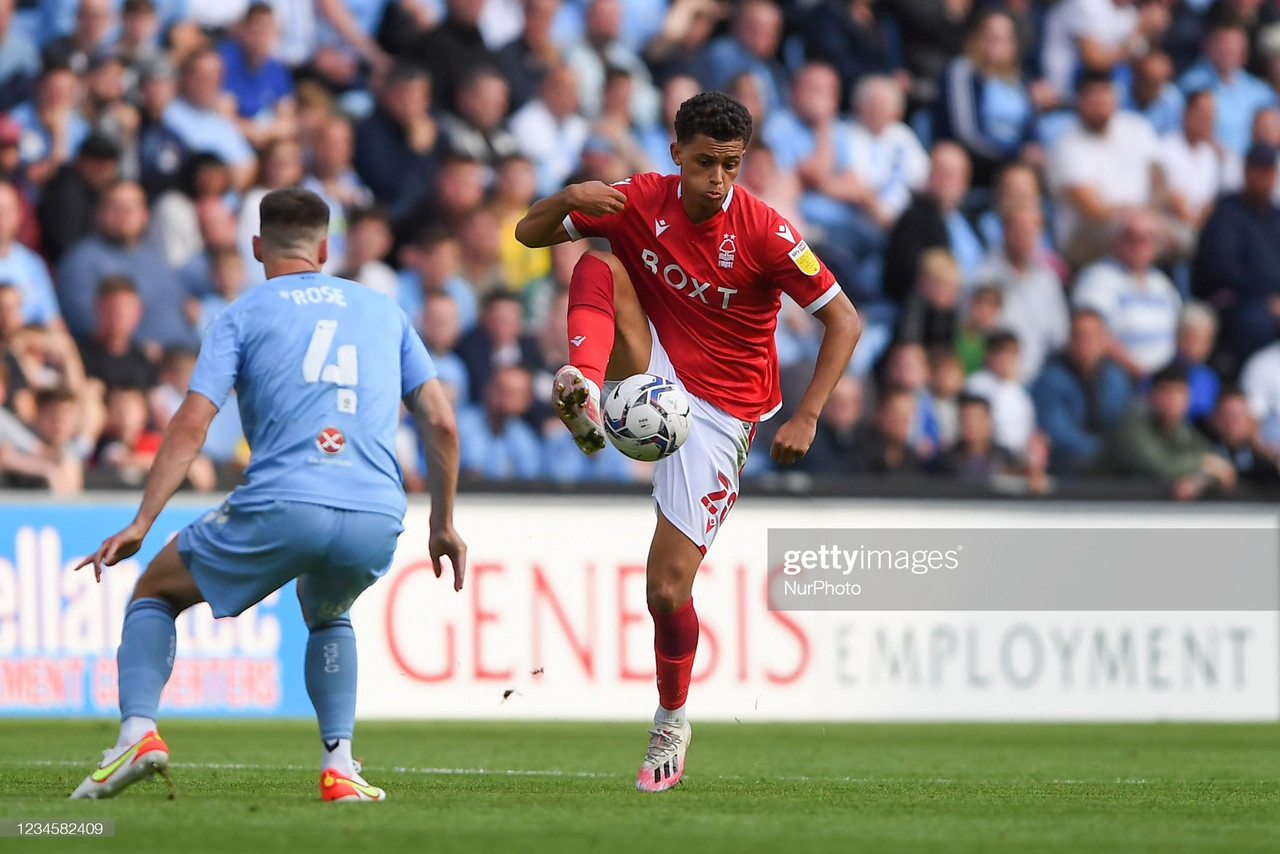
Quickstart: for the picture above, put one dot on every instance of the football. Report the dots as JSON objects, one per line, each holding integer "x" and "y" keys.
{"x": 647, "y": 417}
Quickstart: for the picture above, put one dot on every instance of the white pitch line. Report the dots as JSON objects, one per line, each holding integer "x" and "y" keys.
{"x": 606, "y": 775}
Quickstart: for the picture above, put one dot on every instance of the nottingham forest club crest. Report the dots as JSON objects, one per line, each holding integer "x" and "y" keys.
{"x": 331, "y": 441}
{"x": 727, "y": 251}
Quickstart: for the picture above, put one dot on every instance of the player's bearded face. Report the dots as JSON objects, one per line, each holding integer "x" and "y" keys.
{"x": 708, "y": 168}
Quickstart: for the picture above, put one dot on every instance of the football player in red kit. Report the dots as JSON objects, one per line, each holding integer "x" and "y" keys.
{"x": 690, "y": 292}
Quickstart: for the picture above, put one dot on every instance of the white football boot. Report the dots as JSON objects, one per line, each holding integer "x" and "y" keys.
{"x": 577, "y": 402}
{"x": 663, "y": 765}
{"x": 122, "y": 768}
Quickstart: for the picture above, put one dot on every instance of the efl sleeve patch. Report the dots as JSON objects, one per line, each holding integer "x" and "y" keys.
{"x": 802, "y": 256}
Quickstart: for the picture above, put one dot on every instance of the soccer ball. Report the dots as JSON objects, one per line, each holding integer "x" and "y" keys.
{"x": 647, "y": 417}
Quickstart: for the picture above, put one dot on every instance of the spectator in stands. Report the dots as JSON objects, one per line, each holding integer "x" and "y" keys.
{"x": 454, "y": 48}
{"x": 175, "y": 221}
{"x": 52, "y": 129}
{"x": 497, "y": 342}
{"x": 514, "y": 193}
{"x": 227, "y": 278}
{"x": 161, "y": 153}
{"x": 261, "y": 85}
{"x": 199, "y": 117}
{"x": 1106, "y": 164}
{"x": 69, "y": 200}
{"x": 94, "y": 22}
{"x": 835, "y": 444}
{"x": 1032, "y": 303}
{"x": 441, "y": 330}
{"x": 334, "y": 179}
{"x": 37, "y": 356}
{"x": 108, "y": 112}
{"x": 550, "y": 131}
{"x": 849, "y": 36}
{"x": 883, "y": 446}
{"x": 281, "y": 167}
{"x": 1158, "y": 443}
{"x": 982, "y": 318}
{"x": 396, "y": 146}
{"x": 985, "y": 106}
{"x": 602, "y": 48}
{"x": 906, "y": 366}
{"x": 112, "y": 354}
{"x": 23, "y": 269}
{"x": 1153, "y": 95}
{"x": 974, "y": 457}
{"x": 1266, "y": 131}
{"x": 1238, "y": 94}
{"x": 1080, "y": 394}
{"x": 459, "y": 189}
{"x": 139, "y": 43}
{"x": 750, "y": 47}
{"x": 615, "y": 125}
{"x": 118, "y": 247}
{"x": 1083, "y": 37}
{"x": 497, "y": 444}
{"x": 1260, "y": 380}
{"x": 946, "y": 383}
{"x": 999, "y": 382}
{"x": 54, "y": 460}
{"x": 1136, "y": 299}
{"x": 19, "y": 60}
{"x": 932, "y": 33}
{"x": 346, "y": 38}
{"x": 1234, "y": 433}
{"x": 431, "y": 265}
{"x": 476, "y": 131}
{"x": 1197, "y": 330}
{"x": 931, "y": 316}
{"x": 933, "y": 219}
{"x": 656, "y": 139}
{"x": 1237, "y": 264}
{"x": 678, "y": 46}
{"x": 884, "y": 153}
{"x": 369, "y": 241}
{"x": 127, "y": 446}
{"x": 481, "y": 246}
{"x": 1017, "y": 186}
{"x": 525, "y": 60}
{"x": 1195, "y": 163}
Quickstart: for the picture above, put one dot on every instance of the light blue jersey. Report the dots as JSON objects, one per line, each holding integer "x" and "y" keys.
{"x": 319, "y": 365}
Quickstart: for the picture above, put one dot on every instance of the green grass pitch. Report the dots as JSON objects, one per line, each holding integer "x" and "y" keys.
{"x": 250, "y": 786}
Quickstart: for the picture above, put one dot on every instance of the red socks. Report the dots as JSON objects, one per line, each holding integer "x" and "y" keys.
{"x": 675, "y": 640}
{"x": 591, "y": 318}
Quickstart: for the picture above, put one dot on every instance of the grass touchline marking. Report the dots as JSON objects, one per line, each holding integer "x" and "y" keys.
{"x": 606, "y": 775}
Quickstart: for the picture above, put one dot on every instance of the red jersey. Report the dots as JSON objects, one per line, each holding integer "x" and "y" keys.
{"x": 712, "y": 289}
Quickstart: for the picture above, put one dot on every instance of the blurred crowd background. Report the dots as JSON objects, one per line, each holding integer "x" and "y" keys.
{"x": 1058, "y": 219}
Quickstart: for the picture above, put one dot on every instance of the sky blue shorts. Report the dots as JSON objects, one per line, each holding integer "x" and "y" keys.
{"x": 240, "y": 554}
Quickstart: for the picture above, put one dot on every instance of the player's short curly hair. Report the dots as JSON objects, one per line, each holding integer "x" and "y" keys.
{"x": 713, "y": 114}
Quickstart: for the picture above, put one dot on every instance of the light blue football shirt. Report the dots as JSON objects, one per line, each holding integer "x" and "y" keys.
{"x": 319, "y": 365}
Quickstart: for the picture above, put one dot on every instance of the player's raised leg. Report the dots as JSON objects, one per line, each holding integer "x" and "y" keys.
{"x": 608, "y": 337}
{"x": 673, "y": 562}
{"x": 144, "y": 660}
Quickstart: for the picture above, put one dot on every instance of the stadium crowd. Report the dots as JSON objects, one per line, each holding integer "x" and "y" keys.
{"x": 1059, "y": 219}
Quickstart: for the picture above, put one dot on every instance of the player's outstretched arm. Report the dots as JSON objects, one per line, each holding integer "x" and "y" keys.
{"x": 842, "y": 330}
{"x": 543, "y": 225}
{"x": 429, "y": 405}
{"x": 183, "y": 439}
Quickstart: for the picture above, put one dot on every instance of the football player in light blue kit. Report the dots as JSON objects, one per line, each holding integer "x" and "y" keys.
{"x": 320, "y": 366}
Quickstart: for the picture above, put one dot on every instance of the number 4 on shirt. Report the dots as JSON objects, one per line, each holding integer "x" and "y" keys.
{"x": 344, "y": 374}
